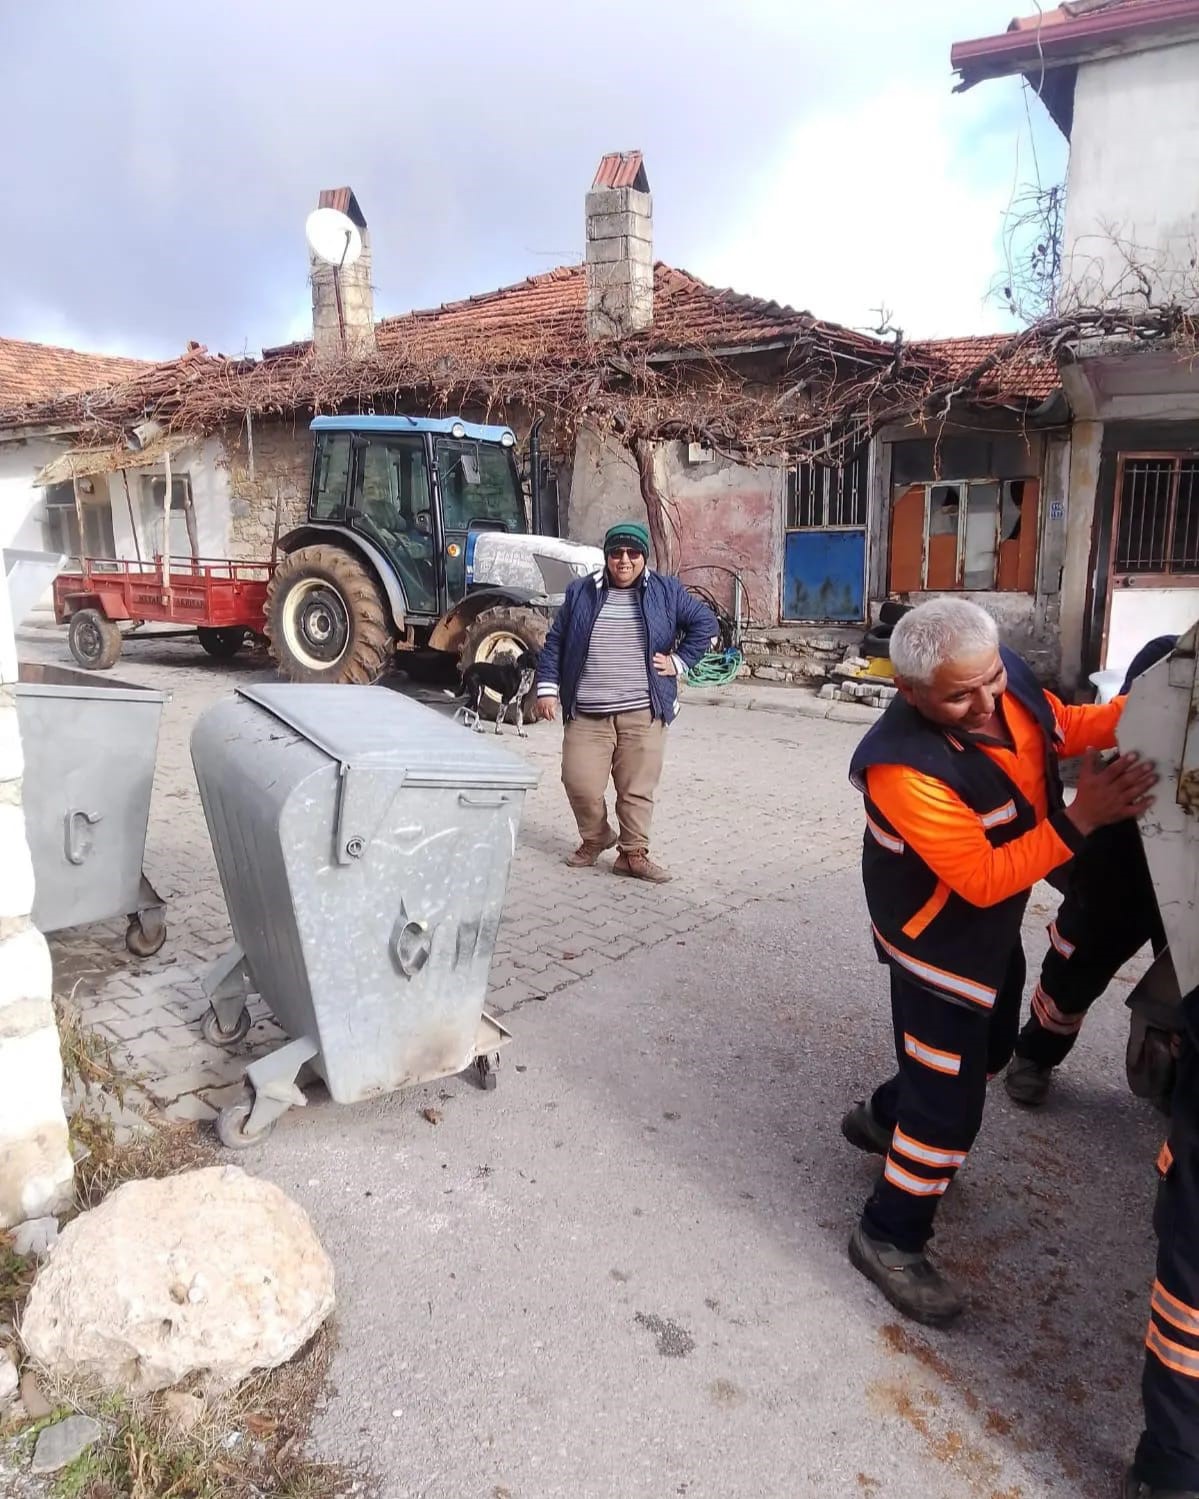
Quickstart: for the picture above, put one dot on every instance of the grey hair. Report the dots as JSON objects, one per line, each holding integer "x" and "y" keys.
{"x": 942, "y": 630}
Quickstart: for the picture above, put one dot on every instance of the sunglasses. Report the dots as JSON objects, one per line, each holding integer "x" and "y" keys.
{"x": 614, "y": 553}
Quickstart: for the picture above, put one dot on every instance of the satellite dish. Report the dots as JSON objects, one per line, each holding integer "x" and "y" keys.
{"x": 333, "y": 237}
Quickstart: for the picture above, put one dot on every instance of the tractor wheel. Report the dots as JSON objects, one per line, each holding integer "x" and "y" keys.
{"x": 95, "y": 641}
{"x": 222, "y": 644}
{"x": 499, "y": 633}
{"x": 326, "y": 619}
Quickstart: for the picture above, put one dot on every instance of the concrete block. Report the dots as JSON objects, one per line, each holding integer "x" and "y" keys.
{"x": 606, "y": 200}
{"x": 620, "y": 225}
{"x": 611, "y": 251}
{"x": 620, "y": 274}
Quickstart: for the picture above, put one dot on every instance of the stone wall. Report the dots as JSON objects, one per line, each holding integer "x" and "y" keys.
{"x": 282, "y": 466}
{"x": 36, "y": 1171}
{"x": 799, "y": 655}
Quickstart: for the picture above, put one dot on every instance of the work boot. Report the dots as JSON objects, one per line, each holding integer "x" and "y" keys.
{"x": 864, "y": 1132}
{"x": 586, "y": 855}
{"x": 1137, "y": 1488}
{"x": 1026, "y": 1083}
{"x": 908, "y": 1280}
{"x": 637, "y": 865}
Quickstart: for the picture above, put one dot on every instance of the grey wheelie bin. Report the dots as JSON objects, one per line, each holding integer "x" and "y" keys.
{"x": 89, "y": 752}
{"x": 363, "y": 843}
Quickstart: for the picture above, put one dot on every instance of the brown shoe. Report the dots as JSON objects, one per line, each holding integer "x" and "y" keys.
{"x": 586, "y": 855}
{"x": 638, "y": 865}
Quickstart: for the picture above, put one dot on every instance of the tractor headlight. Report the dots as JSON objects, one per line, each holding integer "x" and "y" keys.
{"x": 507, "y": 441}
{"x": 457, "y": 430}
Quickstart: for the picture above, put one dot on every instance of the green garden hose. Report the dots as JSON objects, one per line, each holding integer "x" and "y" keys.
{"x": 716, "y": 669}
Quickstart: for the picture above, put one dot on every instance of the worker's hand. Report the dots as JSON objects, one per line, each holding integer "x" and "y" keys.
{"x": 665, "y": 665}
{"x": 1111, "y": 793}
{"x": 547, "y": 709}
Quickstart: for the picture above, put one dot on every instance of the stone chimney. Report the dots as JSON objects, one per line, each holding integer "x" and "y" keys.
{"x": 620, "y": 248}
{"x": 352, "y": 330}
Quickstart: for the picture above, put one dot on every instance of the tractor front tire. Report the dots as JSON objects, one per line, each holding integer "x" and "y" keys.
{"x": 504, "y": 632}
{"x": 326, "y": 618}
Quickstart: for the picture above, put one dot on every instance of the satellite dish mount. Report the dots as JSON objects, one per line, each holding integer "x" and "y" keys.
{"x": 335, "y": 240}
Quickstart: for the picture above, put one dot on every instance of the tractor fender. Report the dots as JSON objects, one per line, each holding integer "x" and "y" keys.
{"x": 350, "y": 541}
{"x": 448, "y": 632}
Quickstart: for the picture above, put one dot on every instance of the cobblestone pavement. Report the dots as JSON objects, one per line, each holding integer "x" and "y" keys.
{"x": 728, "y": 774}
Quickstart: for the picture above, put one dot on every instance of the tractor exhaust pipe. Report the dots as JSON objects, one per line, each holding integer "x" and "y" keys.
{"x": 535, "y": 475}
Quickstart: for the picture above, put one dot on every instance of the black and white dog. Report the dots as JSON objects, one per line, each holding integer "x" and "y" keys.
{"x": 509, "y": 677}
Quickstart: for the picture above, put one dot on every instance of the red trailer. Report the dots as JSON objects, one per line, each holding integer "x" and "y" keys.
{"x": 218, "y": 600}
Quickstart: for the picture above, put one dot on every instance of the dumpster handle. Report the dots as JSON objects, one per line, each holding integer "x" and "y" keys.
{"x": 411, "y": 947}
{"x": 75, "y": 852}
{"x": 466, "y": 800}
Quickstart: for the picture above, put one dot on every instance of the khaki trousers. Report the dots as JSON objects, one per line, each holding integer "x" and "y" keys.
{"x": 628, "y": 748}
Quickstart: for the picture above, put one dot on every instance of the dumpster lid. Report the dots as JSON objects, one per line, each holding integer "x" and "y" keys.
{"x": 373, "y": 728}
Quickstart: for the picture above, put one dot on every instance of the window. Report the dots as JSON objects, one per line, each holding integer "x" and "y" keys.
{"x": 60, "y": 524}
{"x": 332, "y": 461}
{"x": 479, "y": 486}
{"x": 1158, "y": 530}
{"x": 822, "y": 497}
{"x": 976, "y": 535}
{"x": 183, "y": 522}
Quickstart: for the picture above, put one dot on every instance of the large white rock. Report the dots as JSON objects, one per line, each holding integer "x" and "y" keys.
{"x": 213, "y": 1271}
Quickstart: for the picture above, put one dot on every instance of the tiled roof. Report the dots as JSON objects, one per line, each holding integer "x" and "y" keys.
{"x": 1025, "y": 375}
{"x": 622, "y": 169}
{"x": 545, "y": 317}
{"x": 39, "y": 372}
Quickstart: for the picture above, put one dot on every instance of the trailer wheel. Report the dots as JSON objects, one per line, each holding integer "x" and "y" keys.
{"x": 504, "y": 632}
{"x": 326, "y": 619}
{"x": 223, "y": 644}
{"x": 95, "y": 642}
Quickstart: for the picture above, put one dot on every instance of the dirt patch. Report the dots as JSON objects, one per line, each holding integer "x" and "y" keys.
{"x": 672, "y": 1340}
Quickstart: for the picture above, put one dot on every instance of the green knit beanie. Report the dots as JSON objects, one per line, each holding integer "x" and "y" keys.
{"x": 628, "y": 533}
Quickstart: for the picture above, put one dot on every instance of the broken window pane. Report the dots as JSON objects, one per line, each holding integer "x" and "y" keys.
{"x": 944, "y": 504}
{"x": 1011, "y": 510}
{"x": 979, "y": 540}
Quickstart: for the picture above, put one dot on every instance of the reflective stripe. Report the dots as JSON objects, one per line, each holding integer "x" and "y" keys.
{"x": 918, "y": 1186}
{"x": 995, "y": 819}
{"x": 947, "y": 1062}
{"x": 957, "y": 743}
{"x": 1053, "y": 1019}
{"x": 953, "y": 983}
{"x": 1060, "y": 944}
{"x": 928, "y": 1154}
{"x": 888, "y": 841}
{"x": 1165, "y": 1158}
{"x": 928, "y": 912}
{"x": 1181, "y": 1360}
{"x": 1184, "y": 1317}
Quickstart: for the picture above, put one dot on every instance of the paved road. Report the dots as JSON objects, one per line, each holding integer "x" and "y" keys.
{"x": 622, "y": 1274}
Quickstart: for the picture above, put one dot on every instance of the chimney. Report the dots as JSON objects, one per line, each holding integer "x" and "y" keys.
{"x": 620, "y": 248}
{"x": 350, "y": 330}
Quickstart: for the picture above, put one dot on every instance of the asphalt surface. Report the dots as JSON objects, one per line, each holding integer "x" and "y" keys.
{"x": 623, "y": 1272}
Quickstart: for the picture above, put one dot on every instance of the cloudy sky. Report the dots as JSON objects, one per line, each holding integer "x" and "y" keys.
{"x": 161, "y": 158}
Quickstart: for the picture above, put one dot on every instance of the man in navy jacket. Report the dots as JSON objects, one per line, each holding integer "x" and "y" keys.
{"x": 613, "y": 657}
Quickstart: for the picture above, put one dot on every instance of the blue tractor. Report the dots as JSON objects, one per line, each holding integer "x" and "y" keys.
{"x": 416, "y": 548}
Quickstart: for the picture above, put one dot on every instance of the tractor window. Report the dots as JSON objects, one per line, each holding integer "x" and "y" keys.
{"x": 479, "y": 486}
{"x": 391, "y": 507}
{"x": 332, "y": 469}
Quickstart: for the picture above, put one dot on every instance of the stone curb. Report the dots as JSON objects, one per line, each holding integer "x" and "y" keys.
{"x": 805, "y": 707}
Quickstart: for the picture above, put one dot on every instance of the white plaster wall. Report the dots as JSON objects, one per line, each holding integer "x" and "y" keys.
{"x": 20, "y": 498}
{"x": 210, "y": 499}
{"x": 1134, "y": 162}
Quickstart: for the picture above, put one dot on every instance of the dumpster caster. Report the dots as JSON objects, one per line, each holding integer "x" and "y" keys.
{"x": 215, "y": 1035}
{"x": 485, "y": 1067}
{"x": 231, "y": 1127}
{"x": 145, "y": 938}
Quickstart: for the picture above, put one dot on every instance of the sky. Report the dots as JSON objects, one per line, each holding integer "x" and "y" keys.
{"x": 162, "y": 158}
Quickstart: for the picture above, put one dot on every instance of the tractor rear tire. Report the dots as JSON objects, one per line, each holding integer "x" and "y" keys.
{"x": 326, "y": 618}
{"x": 94, "y": 641}
{"x": 504, "y": 632}
{"x": 222, "y": 644}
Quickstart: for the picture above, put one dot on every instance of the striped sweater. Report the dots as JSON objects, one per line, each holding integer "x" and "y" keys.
{"x": 615, "y": 676}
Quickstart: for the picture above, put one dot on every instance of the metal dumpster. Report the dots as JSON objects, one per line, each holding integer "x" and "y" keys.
{"x": 363, "y": 843}
{"x": 89, "y": 770}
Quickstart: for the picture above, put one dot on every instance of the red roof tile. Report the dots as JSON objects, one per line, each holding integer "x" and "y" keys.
{"x": 344, "y": 201}
{"x": 621, "y": 169}
{"x": 39, "y": 372}
{"x": 1026, "y": 375}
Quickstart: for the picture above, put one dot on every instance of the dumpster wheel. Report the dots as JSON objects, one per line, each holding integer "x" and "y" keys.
{"x": 143, "y": 943}
{"x": 231, "y": 1127}
{"x": 211, "y": 1030}
{"x": 485, "y": 1070}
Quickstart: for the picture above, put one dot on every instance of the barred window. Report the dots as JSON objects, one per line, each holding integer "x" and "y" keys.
{"x": 820, "y": 497}
{"x": 1158, "y": 531}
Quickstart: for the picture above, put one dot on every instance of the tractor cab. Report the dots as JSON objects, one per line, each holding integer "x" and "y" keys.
{"x": 416, "y": 539}
{"x": 420, "y": 491}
